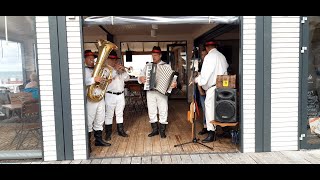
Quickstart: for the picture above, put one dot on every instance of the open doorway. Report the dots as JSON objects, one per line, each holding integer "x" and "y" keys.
{"x": 181, "y": 39}
{"x": 137, "y": 54}
{"x": 177, "y": 57}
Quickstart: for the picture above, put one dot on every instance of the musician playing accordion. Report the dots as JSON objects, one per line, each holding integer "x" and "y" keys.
{"x": 156, "y": 101}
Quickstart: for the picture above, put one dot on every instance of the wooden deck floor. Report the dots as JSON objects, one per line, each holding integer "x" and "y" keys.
{"x": 281, "y": 157}
{"x": 9, "y": 141}
{"x": 179, "y": 130}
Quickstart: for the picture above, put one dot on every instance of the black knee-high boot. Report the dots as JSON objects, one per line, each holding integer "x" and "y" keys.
{"x": 203, "y": 131}
{"x": 121, "y": 131}
{"x": 108, "y": 129}
{"x": 98, "y": 139}
{"x": 211, "y": 137}
{"x": 155, "y": 130}
{"x": 162, "y": 130}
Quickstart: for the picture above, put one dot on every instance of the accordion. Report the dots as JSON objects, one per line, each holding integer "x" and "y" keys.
{"x": 160, "y": 78}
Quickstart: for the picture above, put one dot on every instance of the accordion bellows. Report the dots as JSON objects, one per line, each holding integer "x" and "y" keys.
{"x": 159, "y": 77}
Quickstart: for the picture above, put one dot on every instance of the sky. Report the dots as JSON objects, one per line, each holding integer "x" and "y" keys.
{"x": 10, "y": 56}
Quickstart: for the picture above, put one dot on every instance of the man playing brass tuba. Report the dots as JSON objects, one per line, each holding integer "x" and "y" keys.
{"x": 114, "y": 98}
{"x": 95, "y": 110}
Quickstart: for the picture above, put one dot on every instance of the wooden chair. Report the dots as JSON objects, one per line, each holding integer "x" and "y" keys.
{"x": 136, "y": 97}
{"x": 29, "y": 118}
{"x": 19, "y": 98}
{"x": 29, "y": 125}
{"x": 16, "y": 101}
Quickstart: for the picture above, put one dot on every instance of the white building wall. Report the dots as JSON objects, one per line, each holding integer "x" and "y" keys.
{"x": 249, "y": 81}
{"x": 285, "y": 39}
{"x": 46, "y": 90}
{"x": 75, "y": 60}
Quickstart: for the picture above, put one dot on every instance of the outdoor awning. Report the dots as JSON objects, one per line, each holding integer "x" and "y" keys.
{"x": 113, "y": 20}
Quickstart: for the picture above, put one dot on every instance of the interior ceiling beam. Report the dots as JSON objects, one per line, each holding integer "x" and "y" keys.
{"x": 105, "y": 30}
{"x": 109, "y": 35}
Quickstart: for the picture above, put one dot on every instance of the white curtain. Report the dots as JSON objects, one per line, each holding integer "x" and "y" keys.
{"x": 113, "y": 20}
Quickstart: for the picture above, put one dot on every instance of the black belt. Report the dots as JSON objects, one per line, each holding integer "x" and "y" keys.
{"x": 116, "y": 93}
{"x": 212, "y": 86}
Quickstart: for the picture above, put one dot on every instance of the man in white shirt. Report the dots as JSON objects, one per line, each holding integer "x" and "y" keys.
{"x": 95, "y": 110}
{"x": 114, "y": 98}
{"x": 202, "y": 97}
{"x": 214, "y": 64}
{"x": 156, "y": 101}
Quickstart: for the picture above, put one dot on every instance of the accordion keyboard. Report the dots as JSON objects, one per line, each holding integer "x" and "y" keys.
{"x": 173, "y": 80}
{"x": 148, "y": 75}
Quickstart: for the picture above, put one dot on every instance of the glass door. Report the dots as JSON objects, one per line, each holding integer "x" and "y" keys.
{"x": 20, "y": 119}
{"x": 177, "y": 57}
{"x": 310, "y": 83}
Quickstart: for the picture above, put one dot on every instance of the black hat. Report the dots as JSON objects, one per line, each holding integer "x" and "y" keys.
{"x": 156, "y": 49}
{"x": 113, "y": 55}
{"x": 209, "y": 43}
{"x": 90, "y": 53}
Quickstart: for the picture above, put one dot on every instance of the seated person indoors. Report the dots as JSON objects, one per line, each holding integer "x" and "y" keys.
{"x": 32, "y": 86}
{"x": 33, "y": 81}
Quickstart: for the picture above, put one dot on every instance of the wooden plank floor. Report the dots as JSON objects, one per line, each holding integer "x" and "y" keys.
{"x": 282, "y": 157}
{"x": 179, "y": 130}
{"x": 9, "y": 140}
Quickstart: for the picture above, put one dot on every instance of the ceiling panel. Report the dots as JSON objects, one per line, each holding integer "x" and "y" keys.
{"x": 146, "y": 29}
{"x": 146, "y": 46}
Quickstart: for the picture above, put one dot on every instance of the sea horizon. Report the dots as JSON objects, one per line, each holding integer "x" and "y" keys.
{"x": 5, "y": 75}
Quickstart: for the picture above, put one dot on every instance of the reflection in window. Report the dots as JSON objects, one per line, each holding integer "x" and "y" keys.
{"x": 11, "y": 69}
{"x": 313, "y": 109}
{"x": 20, "y": 121}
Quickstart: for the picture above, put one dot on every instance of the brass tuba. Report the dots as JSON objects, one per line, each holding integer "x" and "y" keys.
{"x": 97, "y": 91}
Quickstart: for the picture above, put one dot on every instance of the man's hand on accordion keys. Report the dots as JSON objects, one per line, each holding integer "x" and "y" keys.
{"x": 142, "y": 79}
{"x": 174, "y": 85}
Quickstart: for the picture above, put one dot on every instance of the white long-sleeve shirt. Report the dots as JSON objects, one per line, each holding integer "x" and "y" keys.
{"x": 143, "y": 72}
{"x": 214, "y": 64}
{"x": 117, "y": 84}
{"x": 89, "y": 80}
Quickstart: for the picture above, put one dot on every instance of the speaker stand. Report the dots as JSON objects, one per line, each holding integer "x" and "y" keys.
{"x": 194, "y": 140}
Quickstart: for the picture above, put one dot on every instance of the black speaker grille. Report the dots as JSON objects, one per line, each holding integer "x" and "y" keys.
{"x": 225, "y": 111}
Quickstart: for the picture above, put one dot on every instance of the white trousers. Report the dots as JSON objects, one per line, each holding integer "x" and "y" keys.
{"x": 210, "y": 108}
{"x": 114, "y": 104}
{"x": 157, "y": 102}
{"x": 96, "y": 114}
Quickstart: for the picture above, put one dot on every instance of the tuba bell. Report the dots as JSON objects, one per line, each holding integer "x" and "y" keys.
{"x": 97, "y": 91}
